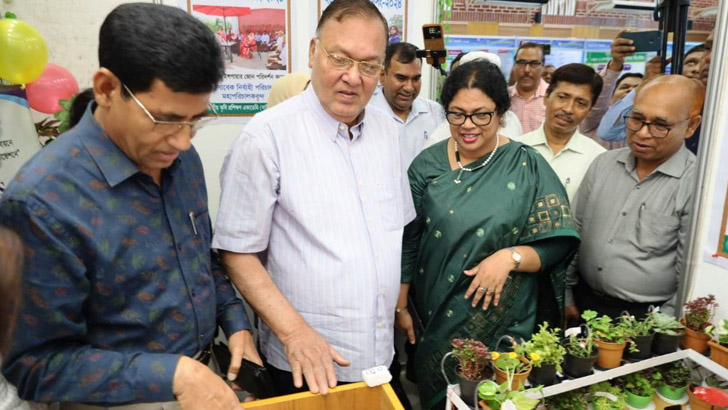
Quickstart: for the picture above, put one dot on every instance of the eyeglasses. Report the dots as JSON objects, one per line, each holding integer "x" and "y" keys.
{"x": 344, "y": 63}
{"x": 532, "y": 63}
{"x": 171, "y": 127}
{"x": 656, "y": 130}
{"x": 477, "y": 118}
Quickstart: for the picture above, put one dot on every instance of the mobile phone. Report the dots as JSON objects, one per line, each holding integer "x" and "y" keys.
{"x": 434, "y": 42}
{"x": 546, "y": 49}
{"x": 252, "y": 377}
{"x": 645, "y": 40}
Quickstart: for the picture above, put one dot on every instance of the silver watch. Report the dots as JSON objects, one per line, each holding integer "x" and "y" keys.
{"x": 517, "y": 258}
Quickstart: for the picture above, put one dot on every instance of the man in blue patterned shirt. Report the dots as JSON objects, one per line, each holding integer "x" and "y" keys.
{"x": 120, "y": 288}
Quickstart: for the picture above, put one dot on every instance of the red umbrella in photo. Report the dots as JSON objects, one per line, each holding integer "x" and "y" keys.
{"x": 223, "y": 11}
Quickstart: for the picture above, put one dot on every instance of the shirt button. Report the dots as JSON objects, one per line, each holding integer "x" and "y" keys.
{"x": 599, "y": 269}
{"x": 342, "y": 127}
{"x": 380, "y": 324}
{"x": 624, "y": 213}
{"x": 611, "y": 240}
{"x": 382, "y": 292}
{"x": 193, "y": 293}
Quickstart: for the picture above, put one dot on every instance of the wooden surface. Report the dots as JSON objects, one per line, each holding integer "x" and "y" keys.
{"x": 356, "y": 396}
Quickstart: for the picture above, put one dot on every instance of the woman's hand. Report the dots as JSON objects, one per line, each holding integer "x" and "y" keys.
{"x": 489, "y": 277}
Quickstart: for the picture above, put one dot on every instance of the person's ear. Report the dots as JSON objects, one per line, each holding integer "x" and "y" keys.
{"x": 693, "y": 124}
{"x": 105, "y": 85}
{"x": 311, "y": 51}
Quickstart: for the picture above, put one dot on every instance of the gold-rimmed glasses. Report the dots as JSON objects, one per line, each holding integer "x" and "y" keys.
{"x": 342, "y": 63}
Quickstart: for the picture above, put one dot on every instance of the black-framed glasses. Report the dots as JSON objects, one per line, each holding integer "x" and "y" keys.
{"x": 477, "y": 118}
{"x": 344, "y": 63}
{"x": 532, "y": 63}
{"x": 656, "y": 130}
{"x": 171, "y": 127}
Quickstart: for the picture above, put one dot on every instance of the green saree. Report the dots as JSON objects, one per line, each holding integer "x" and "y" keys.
{"x": 517, "y": 199}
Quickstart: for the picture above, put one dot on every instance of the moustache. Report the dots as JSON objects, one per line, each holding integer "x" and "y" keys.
{"x": 565, "y": 117}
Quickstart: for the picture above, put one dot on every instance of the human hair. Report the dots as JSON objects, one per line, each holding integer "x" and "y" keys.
{"x": 78, "y": 106}
{"x": 625, "y": 76}
{"x": 456, "y": 60}
{"x": 482, "y": 75}
{"x": 341, "y": 9}
{"x": 529, "y": 44}
{"x": 404, "y": 53}
{"x": 579, "y": 74}
{"x": 11, "y": 255}
{"x": 141, "y": 42}
{"x": 700, "y": 48}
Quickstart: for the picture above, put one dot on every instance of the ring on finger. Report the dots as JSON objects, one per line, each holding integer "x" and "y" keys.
{"x": 482, "y": 289}
{"x": 490, "y": 292}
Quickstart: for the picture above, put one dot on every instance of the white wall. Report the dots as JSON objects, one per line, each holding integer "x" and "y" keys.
{"x": 71, "y": 30}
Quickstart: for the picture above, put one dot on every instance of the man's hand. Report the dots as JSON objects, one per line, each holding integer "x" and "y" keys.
{"x": 197, "y": 387}
{"x": 654, "y": 66}
{"x": 241, "y": 346}
{"x": 621, "y": 48}
{"x": 403, "y": 322}
{"x": 311, "y": 356}
{"x": 571, "y": 314}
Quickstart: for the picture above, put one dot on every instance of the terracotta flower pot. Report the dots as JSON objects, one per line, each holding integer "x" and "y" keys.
{"x": 695, "y": 340}
{"x": 610, "y": 354}
{"x": 718, "y": 353}
{"x": 518, "y": 378}
{"x": 698, "y": 404}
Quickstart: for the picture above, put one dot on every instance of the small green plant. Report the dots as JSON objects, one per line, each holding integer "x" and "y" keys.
{"x": 719, "y": 332}
{"x": 605, "y": 329}
{"x": 699, "y": 312}
{"x": 572, "y": 400}
{"x": 473, "y": 356}
{"x": 675, "y": 374}
{"x": 496, "y": 395}
{"x": 604, "y": 396}
{"x": 509, "y": 362}
{"x": 544, "y": 347}
{"x": 642, "y": 383}
{"x": 666, "y": 324}
{"x": 634, "y": 327}
{"x": 582, "y": 346}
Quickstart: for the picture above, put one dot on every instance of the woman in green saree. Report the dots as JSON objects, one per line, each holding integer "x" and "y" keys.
{"x": 487, "y": 253}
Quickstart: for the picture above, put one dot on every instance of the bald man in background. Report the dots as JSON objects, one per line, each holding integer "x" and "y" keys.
{"x": 631, "y": 257}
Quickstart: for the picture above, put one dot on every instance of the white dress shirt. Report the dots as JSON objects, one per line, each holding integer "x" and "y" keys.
{"x": 330, "y": 210}
{"x": 422, "y": 120}
{"x": 571, "y": 163}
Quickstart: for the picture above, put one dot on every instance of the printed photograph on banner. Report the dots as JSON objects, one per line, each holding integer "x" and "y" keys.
{"x": 254, "y": 37}
{"x": 394, "y": 11}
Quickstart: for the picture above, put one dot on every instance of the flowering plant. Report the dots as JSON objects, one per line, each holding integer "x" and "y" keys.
{"x": 544, "y": 347}
{"x": 473, "y": 356}
{"x": 699, "y": 312}
{"x": 509, "y": 362}
{"x": 634, "y": 327}
{"x": 582, "y": 346}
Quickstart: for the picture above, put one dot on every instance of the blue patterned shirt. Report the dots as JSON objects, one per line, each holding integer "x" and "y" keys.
{"x": 119, "y": 277}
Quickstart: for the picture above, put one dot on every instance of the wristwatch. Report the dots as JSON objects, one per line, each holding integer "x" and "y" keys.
{"x": 516, "y": 258}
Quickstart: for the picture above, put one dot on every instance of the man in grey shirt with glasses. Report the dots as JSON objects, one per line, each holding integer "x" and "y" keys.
{"x": 633, "y": 207}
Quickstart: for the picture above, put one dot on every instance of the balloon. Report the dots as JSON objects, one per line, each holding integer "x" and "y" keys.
{"x": 56, "y": 83}
{"x": 23, "y": 52}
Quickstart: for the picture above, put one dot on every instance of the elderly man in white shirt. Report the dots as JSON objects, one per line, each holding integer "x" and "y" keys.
{"x": 319, "y": 183}
{"x": 399, "y": 97}
{"x": 511, "y": 126}
{"x": 570, "y": 96}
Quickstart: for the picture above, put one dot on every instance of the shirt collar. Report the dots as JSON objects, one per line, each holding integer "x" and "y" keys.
{"x": 114, "y": 164}
{"x": 674, "y": 166}
{"x": 329, "y": 124}
{"x": 419, "y": 106}
{"x": 576, "y": 143}
{"x": 540, "y": 91}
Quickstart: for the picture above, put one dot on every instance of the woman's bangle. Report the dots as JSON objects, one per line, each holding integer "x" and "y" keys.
{"x": 400, "y": 310}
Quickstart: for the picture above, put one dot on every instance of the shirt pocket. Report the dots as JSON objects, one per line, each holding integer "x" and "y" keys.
{"x": 656, "y": 232}
{"x": 201, "y": 238}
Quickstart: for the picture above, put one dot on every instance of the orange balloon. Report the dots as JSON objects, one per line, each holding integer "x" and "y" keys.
{"x": 23, "y": 52}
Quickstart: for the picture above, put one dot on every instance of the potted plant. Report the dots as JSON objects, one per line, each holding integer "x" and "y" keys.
{"x": 640, "y": 387}
{"x": 698, "y": 314}
{"x": 545, "y": 353}
{"x": 675, "y": 379}
{"x": 668, "y": 333}
{"x": 473, "y": 357}
{"x": 572, "y": 400}
{"x": 494, "y": 396}
{"x": 581, "y": 353}
{"x": 641, "y": 333}
{"x": 511, "y": 368}
{"x": 719, "y": 344}
{"x": 609, "y": 336}
{"x": 604, "y": 396}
